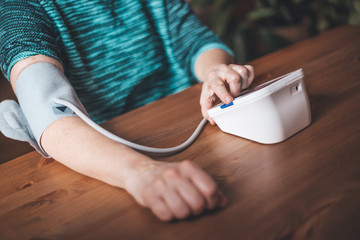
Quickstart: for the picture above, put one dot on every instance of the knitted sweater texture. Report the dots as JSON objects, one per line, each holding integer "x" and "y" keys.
{"x": 117, "y": 54}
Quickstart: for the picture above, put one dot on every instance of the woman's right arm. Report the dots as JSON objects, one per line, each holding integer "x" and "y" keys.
{"x": 170, "y": 190}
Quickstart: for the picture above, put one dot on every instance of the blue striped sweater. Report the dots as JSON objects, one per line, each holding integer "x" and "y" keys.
{"x": 117, "y": 54}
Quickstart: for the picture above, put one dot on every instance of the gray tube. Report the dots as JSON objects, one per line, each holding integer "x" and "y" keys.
{"x": 139, "y": 147}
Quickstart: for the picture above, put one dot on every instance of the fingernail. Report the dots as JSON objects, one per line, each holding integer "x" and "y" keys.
{"x": 228, "y": 100}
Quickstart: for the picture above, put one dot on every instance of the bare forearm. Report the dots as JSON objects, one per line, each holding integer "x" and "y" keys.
{"x": 73, "y": 143}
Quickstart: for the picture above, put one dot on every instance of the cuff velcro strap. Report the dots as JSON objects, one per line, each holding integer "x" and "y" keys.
{"x": 13, "y": 124}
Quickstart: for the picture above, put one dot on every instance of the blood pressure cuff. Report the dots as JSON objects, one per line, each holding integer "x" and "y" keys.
{"x": 37, "y": 87}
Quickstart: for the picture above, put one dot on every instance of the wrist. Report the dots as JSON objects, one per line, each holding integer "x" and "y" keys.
{"x": 136, "y": 173}
{"x": 137, "y": 165}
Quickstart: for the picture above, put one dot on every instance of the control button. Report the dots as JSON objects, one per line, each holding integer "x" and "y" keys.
{"x": 226, "y": 105}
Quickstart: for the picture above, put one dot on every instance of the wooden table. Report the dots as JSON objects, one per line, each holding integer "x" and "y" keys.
{"x": 307, "y": 187}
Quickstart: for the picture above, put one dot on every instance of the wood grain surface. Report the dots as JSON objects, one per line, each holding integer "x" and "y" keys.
{"x": 307, "y": 187}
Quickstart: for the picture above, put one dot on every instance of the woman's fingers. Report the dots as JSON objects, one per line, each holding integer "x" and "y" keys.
{"x": 187, "y": 191}
{"x": 182, "y": 190}
{"x": 204, "y": 183}
{"x": 231, "y": 78}
{"x": 207, "y": 99}
{"x": 251, "y": 75}
{"x": 165, "y": 202}
{"x": 153, "y": 200}
{"x": 224, "y": 82}
{"x": 217, "y": 84}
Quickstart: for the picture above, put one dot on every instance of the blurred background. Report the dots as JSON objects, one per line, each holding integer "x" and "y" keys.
{"x": 253, "y": 28}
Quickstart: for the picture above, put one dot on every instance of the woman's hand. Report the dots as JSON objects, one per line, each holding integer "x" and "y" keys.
{"x": 224, "y": 82}
{"x": 175, "y": 190}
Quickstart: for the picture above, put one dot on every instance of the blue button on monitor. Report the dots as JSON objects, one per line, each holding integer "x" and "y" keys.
{"x": 226, "y": 105}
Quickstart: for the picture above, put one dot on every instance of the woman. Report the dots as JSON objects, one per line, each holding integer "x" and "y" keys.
{"x": 119, "y": 55}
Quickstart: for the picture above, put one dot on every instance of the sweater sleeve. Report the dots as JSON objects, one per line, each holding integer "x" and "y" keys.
{"x": 25, "y": 31}
{"x": 189, "y": 37}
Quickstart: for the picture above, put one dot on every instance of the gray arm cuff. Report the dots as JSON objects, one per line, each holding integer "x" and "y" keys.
{"x": 37, "y": 87}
